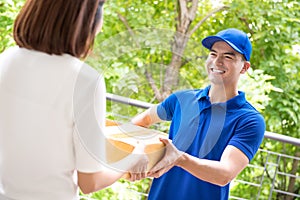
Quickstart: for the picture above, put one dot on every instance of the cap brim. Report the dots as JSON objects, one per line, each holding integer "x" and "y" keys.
{"x": 209, "y": 41}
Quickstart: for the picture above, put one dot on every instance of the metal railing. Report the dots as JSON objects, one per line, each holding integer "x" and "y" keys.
{"x": 265, "y": 175}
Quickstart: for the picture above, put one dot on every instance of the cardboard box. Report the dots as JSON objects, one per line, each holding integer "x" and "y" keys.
{"x": 122, "y": 139}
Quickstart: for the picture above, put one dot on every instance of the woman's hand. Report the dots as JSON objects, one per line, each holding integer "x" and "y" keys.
{"x": 139, "y": 168}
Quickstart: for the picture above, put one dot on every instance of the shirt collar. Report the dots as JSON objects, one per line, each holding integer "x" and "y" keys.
{"x": 236, "y": 102}
{"x": 232, "y": 104}
{"x": 203, "y": 94}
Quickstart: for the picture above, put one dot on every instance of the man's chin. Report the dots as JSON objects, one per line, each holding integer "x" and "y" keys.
{"x": 216, "y": 80}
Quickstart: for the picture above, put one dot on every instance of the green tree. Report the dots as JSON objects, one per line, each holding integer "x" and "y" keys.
{"x": 8, "y": 12}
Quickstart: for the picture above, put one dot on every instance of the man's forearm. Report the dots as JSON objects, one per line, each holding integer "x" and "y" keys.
{"x": 147, "y": 118}
{"x": 206, "y": 170}
{"x": 233, "y": 161}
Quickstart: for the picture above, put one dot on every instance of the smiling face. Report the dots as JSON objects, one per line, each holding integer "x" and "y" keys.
{"x": 224, "y": 65}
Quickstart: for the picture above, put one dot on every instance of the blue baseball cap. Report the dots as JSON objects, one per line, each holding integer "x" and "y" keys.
{"x": 237, "y": 39}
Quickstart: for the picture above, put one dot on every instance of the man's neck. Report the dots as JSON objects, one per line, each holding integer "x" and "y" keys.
{"x": 220, "y": 94}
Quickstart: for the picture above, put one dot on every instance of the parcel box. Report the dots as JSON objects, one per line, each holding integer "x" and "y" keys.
{"x": 121, "y": 139}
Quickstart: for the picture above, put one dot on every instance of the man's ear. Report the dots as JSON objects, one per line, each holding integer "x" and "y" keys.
{"x": 245, "y": 67}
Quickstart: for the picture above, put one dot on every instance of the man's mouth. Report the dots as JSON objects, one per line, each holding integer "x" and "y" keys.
{"x": 217, "y": 71}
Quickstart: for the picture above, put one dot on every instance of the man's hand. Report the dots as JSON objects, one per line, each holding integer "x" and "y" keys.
{"x": 170, "y": 159}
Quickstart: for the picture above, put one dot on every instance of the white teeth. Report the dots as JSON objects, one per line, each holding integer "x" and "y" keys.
{"x": 217, "y": 71}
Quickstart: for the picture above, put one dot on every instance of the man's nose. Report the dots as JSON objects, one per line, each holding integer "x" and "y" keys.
{"x": 218, "y": 61}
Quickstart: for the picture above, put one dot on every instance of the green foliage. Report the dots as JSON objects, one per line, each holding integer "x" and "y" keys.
{"x": 125, "y": 190}
{"x": 251, "y": 84}
{"x": 8, "y": 11}
{"x": 267, "y": 169}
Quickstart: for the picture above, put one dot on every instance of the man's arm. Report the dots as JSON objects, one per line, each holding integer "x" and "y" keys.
{"x": 232, "y": 162}
{"x": 147, "y": 118}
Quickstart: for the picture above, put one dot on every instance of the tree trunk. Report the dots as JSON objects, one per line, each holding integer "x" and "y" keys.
{"x": 186, "y": 14}
{"x": 185, "y": 17}
{"x": 292, "y": 181}
{"x": 172, "y": 71}
{"x": 187, "y": 10}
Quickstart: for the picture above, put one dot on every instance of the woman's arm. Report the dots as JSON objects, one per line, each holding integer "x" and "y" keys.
{"x": 135, "y": 164}
{"x": 92, "y": 182}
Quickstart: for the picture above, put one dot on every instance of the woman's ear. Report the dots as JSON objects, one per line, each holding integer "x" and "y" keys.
{"x": 245, "y": 67}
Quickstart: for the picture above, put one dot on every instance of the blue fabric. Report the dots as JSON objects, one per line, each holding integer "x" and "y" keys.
{"x": 204, "y": 130}
{"x": 235, "y": 38}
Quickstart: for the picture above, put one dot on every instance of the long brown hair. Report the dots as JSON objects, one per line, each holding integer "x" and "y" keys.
{"x": 58, "y": 26}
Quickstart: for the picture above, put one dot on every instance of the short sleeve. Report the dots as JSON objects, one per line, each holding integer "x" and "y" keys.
{"x": 85, "y": 160}
{"x": 249, "y": 134}
{"x": 165, "y": 109}
{"x": 100, "y": 102}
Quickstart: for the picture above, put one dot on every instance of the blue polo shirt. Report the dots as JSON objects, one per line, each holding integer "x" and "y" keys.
{"x": 204, "y": 130}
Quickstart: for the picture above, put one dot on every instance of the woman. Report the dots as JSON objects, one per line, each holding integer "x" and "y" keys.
{"x": 41, "y": 153}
